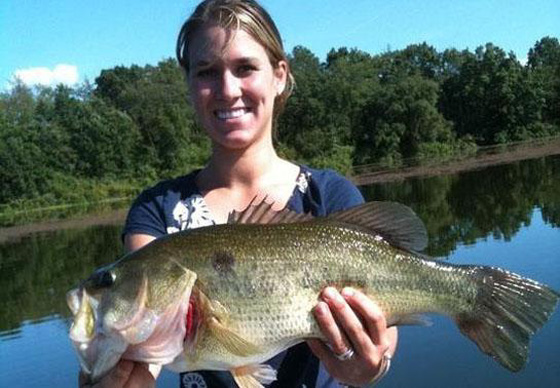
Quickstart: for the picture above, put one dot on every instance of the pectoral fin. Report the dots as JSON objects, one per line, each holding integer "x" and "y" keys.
{"x": 231, "y": 340}
{"x": 254, "y": 376}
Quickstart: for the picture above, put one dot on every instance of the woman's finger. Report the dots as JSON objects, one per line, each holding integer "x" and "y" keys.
{"x": 126, "y": 374}
{"x": 349, "y": 321}
{"x": 371, "y": 315}
{"x": 118, "y": 376}
{"x": 140, "y": 377}
{"x": 334, "y": 337}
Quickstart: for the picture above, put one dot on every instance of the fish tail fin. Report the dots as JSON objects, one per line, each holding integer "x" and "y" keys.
{"x": 508, "y": 310}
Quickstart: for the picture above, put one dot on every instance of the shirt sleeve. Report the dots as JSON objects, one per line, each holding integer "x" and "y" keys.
{"x": 146, "y": 216}
{"x": 341, "y": 194}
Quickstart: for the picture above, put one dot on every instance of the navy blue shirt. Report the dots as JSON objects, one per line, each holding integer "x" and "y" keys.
{"x": 177, "y": 204}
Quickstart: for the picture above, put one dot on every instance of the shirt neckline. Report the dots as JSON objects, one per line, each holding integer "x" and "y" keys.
{"x": 303, "y": 176}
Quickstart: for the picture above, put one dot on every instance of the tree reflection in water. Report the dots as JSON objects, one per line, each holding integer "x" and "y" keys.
{"x": 494, "y": 202}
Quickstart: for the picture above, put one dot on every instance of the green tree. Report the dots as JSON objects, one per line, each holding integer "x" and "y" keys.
{"x": 399, "y": 119}
{"x": 490, "y": 97}
{"x": 544, "y": 65}
{"x": 156, "y": 100}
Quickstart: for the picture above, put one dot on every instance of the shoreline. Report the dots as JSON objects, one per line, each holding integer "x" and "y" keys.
{"x": 14, "y": 233}
{"x": 487, "y": 159}
{"x": 493, "y": 156}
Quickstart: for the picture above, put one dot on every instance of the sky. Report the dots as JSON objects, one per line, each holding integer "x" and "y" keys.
{"x": 69, "y": 41}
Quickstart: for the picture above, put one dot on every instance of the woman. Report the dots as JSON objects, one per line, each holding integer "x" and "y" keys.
{"x": 239, "y": 80}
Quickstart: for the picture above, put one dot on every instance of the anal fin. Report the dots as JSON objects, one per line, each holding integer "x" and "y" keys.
{"x": 254, "y": 376}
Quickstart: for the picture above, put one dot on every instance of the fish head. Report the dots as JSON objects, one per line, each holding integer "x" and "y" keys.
{"x": 130, "y": 310}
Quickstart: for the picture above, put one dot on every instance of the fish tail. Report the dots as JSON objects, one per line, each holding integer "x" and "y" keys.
{"x": 507, "y": 311}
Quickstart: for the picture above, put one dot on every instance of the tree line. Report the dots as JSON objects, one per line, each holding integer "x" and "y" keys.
{"x": 134, "y": 125}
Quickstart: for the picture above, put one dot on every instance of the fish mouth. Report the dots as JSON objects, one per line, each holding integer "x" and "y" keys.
{"x": 97, "y": 351}
{"x": 145, "y": 335}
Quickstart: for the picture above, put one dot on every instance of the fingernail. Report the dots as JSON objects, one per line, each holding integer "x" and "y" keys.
{"x": 320, "y": 309}
{"x": 329, "y": 293}
{"x": 347, "y": 292}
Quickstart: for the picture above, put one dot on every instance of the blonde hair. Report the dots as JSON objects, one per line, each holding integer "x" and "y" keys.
{"x": 246, "y": 15}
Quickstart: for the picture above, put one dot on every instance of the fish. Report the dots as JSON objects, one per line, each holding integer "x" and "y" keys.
{"x": 231, "y": 296}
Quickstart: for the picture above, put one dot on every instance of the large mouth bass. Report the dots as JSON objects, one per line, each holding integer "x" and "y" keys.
{"x": 229, "y": 297}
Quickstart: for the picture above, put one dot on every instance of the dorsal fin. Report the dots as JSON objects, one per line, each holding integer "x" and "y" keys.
{"x": 396, "y": 223}
{"x": 262, "y": 213}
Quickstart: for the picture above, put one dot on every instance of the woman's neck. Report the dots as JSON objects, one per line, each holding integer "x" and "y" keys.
{"x": 240, "y": 169}
{"x": 232, "y": 180}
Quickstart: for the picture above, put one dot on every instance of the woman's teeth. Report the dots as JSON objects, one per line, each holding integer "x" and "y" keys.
{"x": 225, "y": 114}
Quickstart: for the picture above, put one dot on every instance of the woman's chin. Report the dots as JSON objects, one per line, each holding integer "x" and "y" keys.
{"x": 236, "y": 140}
{"x": 233, "y": 142}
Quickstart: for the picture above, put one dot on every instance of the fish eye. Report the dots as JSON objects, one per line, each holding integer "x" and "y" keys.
{"x": 103, "y": 278}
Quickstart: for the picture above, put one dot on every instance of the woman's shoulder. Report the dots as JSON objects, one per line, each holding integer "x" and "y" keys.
{"x": 328, "y": 190}
{"x": 180, "y": 186}
{"x": 326, "y": 176}
{"x": 153, "y": 211}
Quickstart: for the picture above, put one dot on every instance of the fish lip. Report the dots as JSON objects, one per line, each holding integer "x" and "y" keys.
{"x": 73, "y": 298}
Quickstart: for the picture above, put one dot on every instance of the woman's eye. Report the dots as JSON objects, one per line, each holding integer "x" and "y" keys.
{"x": 204, "y": 73}
{"x": 246, "y": 69}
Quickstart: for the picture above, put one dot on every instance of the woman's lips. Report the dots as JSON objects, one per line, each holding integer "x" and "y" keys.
{"x": 228, "y": 114}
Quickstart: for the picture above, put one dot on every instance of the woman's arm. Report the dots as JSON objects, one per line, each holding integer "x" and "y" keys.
{"x": 136, "y": 241}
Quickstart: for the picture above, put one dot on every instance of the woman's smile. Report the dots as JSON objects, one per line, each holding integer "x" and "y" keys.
{"x": 230, "y": 114}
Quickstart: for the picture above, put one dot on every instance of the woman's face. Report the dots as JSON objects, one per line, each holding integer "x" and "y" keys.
{"x": 233, "y": 86}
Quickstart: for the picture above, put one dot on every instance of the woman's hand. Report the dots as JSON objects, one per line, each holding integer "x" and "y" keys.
{"x": 352, "y": 322}
{"x": 126, "y": 374}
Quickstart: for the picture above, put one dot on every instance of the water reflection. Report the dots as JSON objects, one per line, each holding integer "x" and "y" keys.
{"x": 38, "y": 270}
{"x": 496, "y": 201}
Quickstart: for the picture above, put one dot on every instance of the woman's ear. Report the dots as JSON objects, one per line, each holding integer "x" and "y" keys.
{"x": 281, "y": 74}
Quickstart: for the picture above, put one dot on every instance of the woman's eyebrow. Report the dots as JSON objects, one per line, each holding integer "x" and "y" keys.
{"x": 247, "y": 59}
{"x": 204, "y": 63}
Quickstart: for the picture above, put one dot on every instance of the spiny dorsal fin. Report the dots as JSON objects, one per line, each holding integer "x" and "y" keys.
{"x": 396, "y": 223}
{"x": 262, "y": 213}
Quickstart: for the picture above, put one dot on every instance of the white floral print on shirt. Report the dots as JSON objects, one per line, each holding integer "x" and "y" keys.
{"x": 302, "y": 181}
{"x": 191, "y": 212}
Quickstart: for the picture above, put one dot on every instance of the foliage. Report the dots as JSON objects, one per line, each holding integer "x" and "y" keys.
{"x": 135, "y": 124}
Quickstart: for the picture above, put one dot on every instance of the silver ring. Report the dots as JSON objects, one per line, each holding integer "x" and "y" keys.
{"x": 348, "y": 354}
{"x": 383, "y": 368}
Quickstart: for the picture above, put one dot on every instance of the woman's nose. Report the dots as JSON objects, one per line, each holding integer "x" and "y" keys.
{"x": 229, "y": 86}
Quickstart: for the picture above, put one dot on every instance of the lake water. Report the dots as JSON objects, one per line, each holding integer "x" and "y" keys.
{"x": 506, "y": 216}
